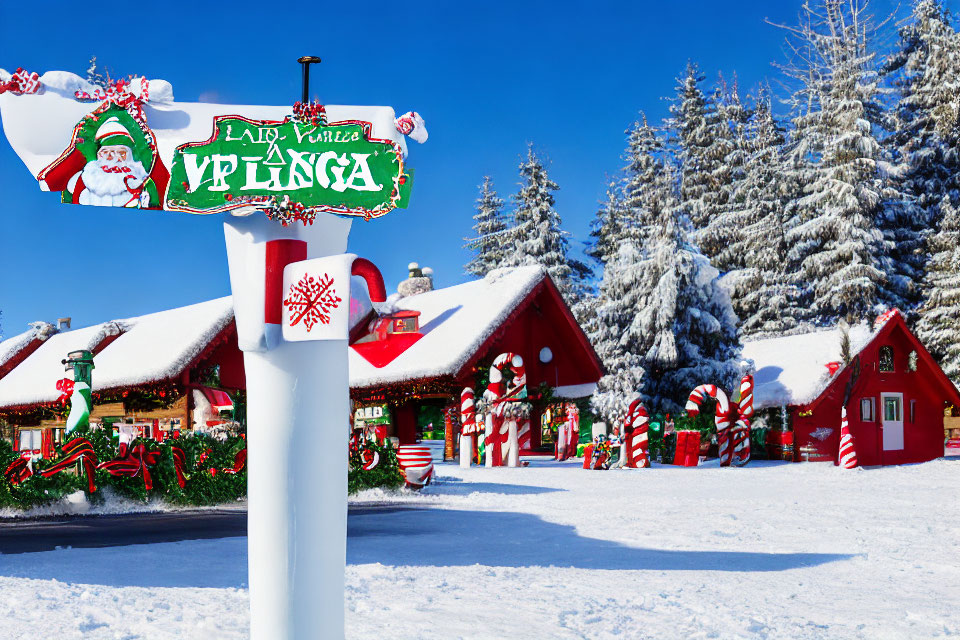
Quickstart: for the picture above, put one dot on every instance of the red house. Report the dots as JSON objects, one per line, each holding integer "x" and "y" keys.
{"x": 415, "y": 357}
{"x": 895, "y": 393}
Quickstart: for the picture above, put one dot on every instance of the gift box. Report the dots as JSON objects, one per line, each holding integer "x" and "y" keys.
{"x": 688, "y": 449}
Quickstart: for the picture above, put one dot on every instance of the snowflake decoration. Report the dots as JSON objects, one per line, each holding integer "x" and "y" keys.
{"x": 821, "y": 433}
{"x": 311, "y": 300}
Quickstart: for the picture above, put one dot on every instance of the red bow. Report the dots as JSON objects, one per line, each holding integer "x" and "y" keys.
{"x": 179, "y": 460}
{"x": 65, "y": 387}
{"x": 132, "y": 462}
{"x": 239, "y": 462}
{"x": 18, "y": 471}
{"x": 77, "y": 450}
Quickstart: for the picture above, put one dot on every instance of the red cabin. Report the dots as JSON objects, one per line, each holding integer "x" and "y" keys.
{"x": 896, "y": 394}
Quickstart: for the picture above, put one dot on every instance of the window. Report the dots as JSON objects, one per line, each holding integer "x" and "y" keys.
{"x": 30, "y": 439}
{"x": 913, "y": 411}
{"x": 891, "y": 409}
{"x": 886, "y": 359}
{"x": 866, "y": 410}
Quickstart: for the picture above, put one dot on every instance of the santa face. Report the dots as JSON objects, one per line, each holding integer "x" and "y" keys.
{"x": 113, "y": 179}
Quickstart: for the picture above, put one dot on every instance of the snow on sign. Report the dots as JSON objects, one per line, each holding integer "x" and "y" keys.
{"x": 303, "y": 164}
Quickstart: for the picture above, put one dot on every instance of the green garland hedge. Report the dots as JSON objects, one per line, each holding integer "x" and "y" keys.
{"x": 205, "y": 458}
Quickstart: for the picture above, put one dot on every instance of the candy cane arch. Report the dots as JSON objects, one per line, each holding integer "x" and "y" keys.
{"x": 468, "y": 418}
{"x": 502, "y": 440}
{"x": 722, "y": 418}
{"x": 635, "y": 431}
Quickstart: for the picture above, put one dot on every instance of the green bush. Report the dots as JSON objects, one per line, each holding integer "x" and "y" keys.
{"x": 386, "y": 474}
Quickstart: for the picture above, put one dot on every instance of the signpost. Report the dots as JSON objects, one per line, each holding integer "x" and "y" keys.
{"x": 309, "y": 172}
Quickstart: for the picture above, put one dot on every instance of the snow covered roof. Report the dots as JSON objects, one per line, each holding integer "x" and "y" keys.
{"x": 455, "y": 322}
{"x": 10, "y": 347}
{"x": 149, "y": 348}
{"x": 791, "y": 370}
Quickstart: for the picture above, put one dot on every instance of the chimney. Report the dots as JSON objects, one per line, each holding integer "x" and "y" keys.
{"x": 63, "y": 323}
{"x": 420, "y": 281}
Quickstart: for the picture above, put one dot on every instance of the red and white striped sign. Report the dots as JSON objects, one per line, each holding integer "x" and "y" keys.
{"x": 848, "y": 454}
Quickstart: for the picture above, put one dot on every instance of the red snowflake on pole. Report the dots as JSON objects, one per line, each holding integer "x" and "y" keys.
{"x": 311, "y": 300}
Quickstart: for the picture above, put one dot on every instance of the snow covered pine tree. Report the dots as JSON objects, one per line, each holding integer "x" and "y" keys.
{"x": 490, "y": 231}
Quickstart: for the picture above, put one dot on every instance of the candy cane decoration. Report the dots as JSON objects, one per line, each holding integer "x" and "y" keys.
{"x": 523, "y": 435}
{"x": 848, "y": 454}
{"x": 468, "y": 418}
{"x": 741, "y": 431}
{"x": 501, "y": 436}
{"x": 635, "y": 431}
{"x": 722, "y": 419}
{"x": 416, "y": 463}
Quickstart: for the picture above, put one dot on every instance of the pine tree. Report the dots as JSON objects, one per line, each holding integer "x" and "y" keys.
{"x": 686, "y": 328}
{"x": 728, "y": 150}
{"x": 693, "y": 129}
{"x": 939, "y": 324}
{"x": 537, "y": 237}
{"x": 925, "y": 70}
{"x": 490, "y": 230}
{"x": 643, "y": 170}
{"x": 833, "y": 235}
{"x": 762, "y": 288}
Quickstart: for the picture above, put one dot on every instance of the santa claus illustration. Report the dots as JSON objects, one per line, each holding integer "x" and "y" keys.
{"x": 110, "y": 163}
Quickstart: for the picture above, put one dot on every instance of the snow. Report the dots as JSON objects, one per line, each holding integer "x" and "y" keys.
{"x": 39, "y": 126}
{"x": 575, "y": 391}
{"x": 791, "y": 370}
{"x": 774, "y": 550}
{"x": 154, "y": 347}
{"x": 455, "y": 321}
{"x": 12, "y": 346}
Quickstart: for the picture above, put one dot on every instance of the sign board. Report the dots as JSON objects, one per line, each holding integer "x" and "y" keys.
{"x": 338, "y": 168}
{"x": 373, "y": 415}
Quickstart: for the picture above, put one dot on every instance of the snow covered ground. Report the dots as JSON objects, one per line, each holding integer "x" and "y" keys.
{"x": 553, "y": 551}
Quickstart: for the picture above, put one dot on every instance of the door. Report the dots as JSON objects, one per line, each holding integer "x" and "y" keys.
{"x": 891, "y": 405}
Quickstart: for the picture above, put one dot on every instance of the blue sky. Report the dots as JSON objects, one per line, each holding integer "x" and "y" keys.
{"x": 487, "y": 77}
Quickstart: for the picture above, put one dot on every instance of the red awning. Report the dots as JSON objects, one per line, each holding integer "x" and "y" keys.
{"x": 218, "y": 399}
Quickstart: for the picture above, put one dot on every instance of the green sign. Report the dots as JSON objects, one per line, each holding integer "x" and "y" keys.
{"x": 291, "y": 165}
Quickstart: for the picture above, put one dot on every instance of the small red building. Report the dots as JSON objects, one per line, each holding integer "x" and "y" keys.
{"x": 895, "y": 393}
{"x": 417, "y": 355}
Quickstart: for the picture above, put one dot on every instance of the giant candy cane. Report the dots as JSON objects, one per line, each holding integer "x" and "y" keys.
{"x": 501, "y": 428}
{"x": 468, "y": 418}
{"x": 722, "y": 418}
{"x": 741, "y": 430}
{"x": 635, "y": 431}
{"x": 848, "y": 454}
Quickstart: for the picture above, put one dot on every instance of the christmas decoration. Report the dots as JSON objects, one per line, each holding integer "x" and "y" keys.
{"x": 309, "y": 113}
{"x": 112, "y": 160}
{"x": 22, "y": 82}
{"x": 311, "y": 300}
{"x": 18, "y": 470}
{"x": 239, "y": 463}
{"x": 77, "y": 450}
{"x": 132, "y": 462}
{"x": 722, "y": 418}
{"x": 468, "y": 418}
{"x": 505, "y": 410}
{"x": 599, "y": 455}
{"x": 740, "y": 435}
{"x": 417, "y": 464}
{"x": 635, "y": 433}
{"x": 179, "y": 462}
{"x": 411, "y": 124}
{"x": 848, "y": 454}
{"x": 81, "y": 400}
{"x": 334, "y": 167}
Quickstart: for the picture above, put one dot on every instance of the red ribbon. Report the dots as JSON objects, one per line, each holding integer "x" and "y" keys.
{"x": 179, "y": 461}
{"x": 18, "y": 471}
{"x": 65, "y": 387}
{"x": 239, "y": 463}
{"x": 133, "y": 462}
{"x": 77, "y": 450}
